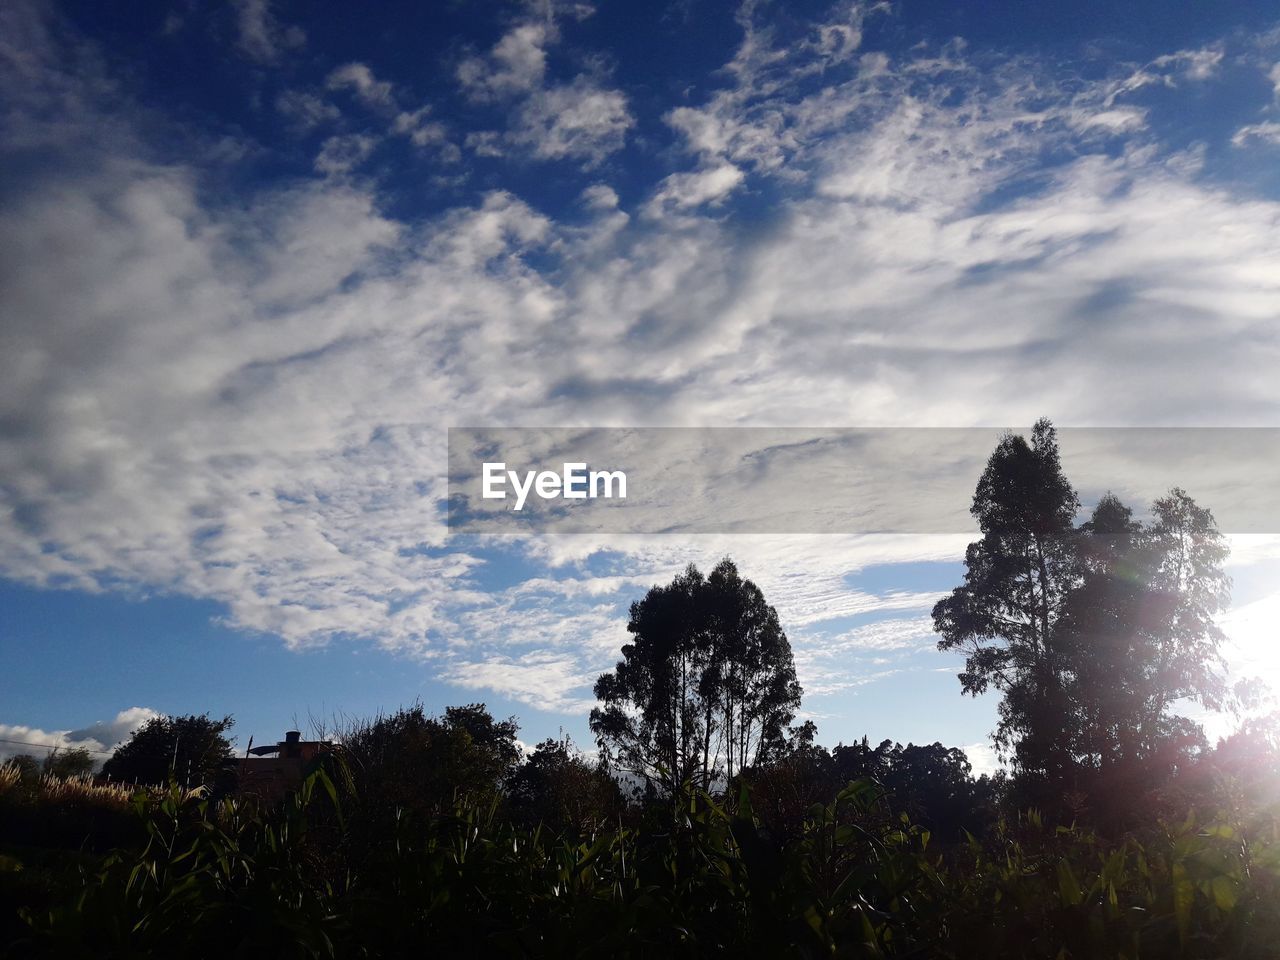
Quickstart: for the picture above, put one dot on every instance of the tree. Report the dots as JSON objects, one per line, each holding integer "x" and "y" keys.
{"x": 1246, "y": 764}
{"x": 706, "y": 687}
{"x": 193, "y": 750}
{"x": 785, "y": 789}
{"x": 422, "y": 764}
{"x": 751, "y": 679}
{"x": 1103, "y": 621}
{"x": 68, "y": 764}
{"x": 556, "y": 786}
{"x": 935, "y": 786}
{"x": 27, "y": 767}
{"x": 651, "y": 705}
{"x": 1017, "y": 578}
{"x": 1140, "y": 633}
{"x": 1187, "y": 554}
{"x": 861, "y": 761}
{"x": 1091, "y": 633}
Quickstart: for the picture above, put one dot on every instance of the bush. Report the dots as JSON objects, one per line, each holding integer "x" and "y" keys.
{"x": 42, "y": 810}
{"x": 234, "y": 878}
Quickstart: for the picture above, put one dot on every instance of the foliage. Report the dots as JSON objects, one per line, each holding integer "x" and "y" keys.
{"x": 1139, "y": 634}
{"x": 1091, "y": 634}
{"x": 211, "y": 879}
{"x": 63, "y": 814}
{"x": 53, "y": 789}
{"x": 1017, "y": 578}
{"x": 22, "y": 768}
{"x": 1244, "y": 769}
{"x": 235, "y": 878}
{"x": 411, "y": 762}
{"x": 932, "y": 783}
{"x": 706, "y": 687}
{"x": 68, "y": 764}
{"x": 1189, "y": 889}
{"x": 194, "y": 750}
{"x": 558, "y": 788}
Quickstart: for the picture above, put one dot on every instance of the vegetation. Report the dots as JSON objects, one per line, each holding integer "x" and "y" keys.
{"x": 560, "y": 789}
{"x": 1090, "y": 634}
{"x": 59, "y": 764}
{"x": 708, "y": 825}
{"x": 231, "y": 878}
{"x": 194, "y": 749}
{"x": 706, "y": 687}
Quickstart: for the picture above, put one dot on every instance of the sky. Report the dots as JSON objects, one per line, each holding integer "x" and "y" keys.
{"x": 257, "y": 258}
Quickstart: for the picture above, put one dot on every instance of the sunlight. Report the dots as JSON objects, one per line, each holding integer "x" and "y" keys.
{"x": 1251, "y": 649}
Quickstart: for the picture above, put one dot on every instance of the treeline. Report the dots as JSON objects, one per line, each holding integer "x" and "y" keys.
{"x": 340, "y": 869}
{"x": 412, "y": 762}
{"x": 422, "y": 829}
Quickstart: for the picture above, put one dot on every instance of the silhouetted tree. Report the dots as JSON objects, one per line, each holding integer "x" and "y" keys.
{"x": 932, "y": 783}
{"x": 861, "y": 761}
{"x": 28, "y": 767}
{"x": 558, "y": 787}
{"x": 651, "y": 722}
{"x": 786, "y": 788}
{"x": 68, "y": 764}
{"x": 1017, "y": 578}
{"x": 936, "y": 786}
{"x": 1140, "y": 634}
{"x": 1246, "y": 764}
{"x": 751, "y": 678}
{"x": 418, "y": 763}
{"x": 706, "y": 687}
{"x": 1091, "y": 633}
{"x": 193, "y": 750}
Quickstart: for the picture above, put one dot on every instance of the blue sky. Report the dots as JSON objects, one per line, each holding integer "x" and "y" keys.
{"x": 258, "y": 257}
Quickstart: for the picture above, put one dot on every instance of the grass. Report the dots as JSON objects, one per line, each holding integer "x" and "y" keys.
{"x": 304, "y": 879}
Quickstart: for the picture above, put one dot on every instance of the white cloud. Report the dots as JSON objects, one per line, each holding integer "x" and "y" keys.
{"x": 245, "y": 402}
{"x": 580, "y": 120}
{"x": 305, "y": 111}
{"x": 1196, "y": 65}
{"x": 99, "y": 738}
{"x": 600, "y": 196}
{"x": 684, "y": 190}
{"x": 1267, "y": 132}
{"x": 261, "y": 36}
{"x": 516, "y": 64}
{"x": 983, "y": 759}
{"x": 882, "y": 635}
{"x": 828, "y": 684}
{"x": 359, "y": 79}
{"x": 541, "y": 680}
{"x": 1116, "y": 120}
{"x": 1253, "y": 650}
{"x": 762, "y": 119}
{"x": 423, "y": 132}
{"x": 342, "y": 154}
{"x": 1248, "y": 549}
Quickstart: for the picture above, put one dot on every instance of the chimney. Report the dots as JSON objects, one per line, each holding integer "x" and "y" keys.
{"x": 292, "y": 746}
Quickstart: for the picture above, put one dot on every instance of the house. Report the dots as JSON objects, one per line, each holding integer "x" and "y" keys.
{"x": 272, "y": 771}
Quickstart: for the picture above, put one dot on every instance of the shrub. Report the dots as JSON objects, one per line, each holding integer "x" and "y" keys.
{"x": 237, "y": 877}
